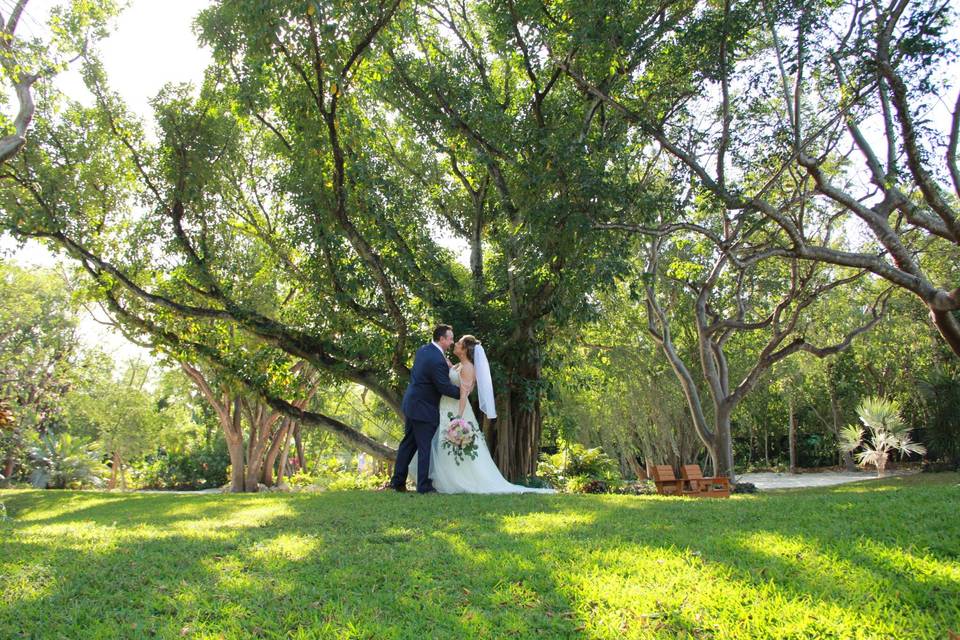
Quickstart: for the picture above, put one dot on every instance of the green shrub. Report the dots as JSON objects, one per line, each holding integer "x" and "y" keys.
{"x": 301, "y": 479}
{"x": 201, "y": 468}
{"x": 64, "y": 462}
{"x": 332, "y": 474}
{"x": 533, "y": 482}
{"x": 352, "y": 480}
{"x": 576, "y": 469}
{"x": 744, "y": 487}
{"x": 586, "y": 484}
{"x": 638, "y": 488}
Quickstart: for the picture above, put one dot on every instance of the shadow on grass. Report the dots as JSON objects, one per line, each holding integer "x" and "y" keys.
{"x": 337, "y": 565}
{"x": 838, "y": 561}
{"x": 406, "y": 566}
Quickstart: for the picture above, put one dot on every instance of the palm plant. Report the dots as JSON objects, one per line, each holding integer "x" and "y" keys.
{"x": 62, "y": 461}
{"x": 888, "y": 433}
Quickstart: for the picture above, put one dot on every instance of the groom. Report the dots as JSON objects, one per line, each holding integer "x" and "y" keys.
{"x": 429, "y": 379}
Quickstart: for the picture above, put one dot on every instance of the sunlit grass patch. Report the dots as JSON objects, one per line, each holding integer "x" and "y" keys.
{"x": 879, "y": 560}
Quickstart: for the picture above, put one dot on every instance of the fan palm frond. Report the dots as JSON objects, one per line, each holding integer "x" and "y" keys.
{"x": 881, "y": 413}
{"x": 850, "y": 438}
{"x": 907, "y": 446}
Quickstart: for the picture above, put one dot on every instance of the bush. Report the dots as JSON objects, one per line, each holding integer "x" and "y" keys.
{"x": 197, "y": 469}
{"x": 744, "y": 487}
{"x": 576, "y": 469}
{"x": 638, "y": 488}
{"x": 332, "y": 474}
{"x": 586, "y": 484}
{"x": 64, "y": 462}
{"x": 352, "y": 480}
{"x": 533, "y": 482}
{"x": 301, "y": 479}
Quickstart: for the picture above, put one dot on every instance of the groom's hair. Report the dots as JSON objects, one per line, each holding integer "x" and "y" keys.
{"x": 441, "y": 331}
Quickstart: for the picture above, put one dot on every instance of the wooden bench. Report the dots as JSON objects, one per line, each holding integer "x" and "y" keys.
{"x": 666, "y": 482}
{"x": 713, "y": 487}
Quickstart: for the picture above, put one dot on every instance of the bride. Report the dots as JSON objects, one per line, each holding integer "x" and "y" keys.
{"x": 471, "y": 475}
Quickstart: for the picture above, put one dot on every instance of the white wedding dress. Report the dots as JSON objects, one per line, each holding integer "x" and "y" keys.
{"x": 480, "y": 475}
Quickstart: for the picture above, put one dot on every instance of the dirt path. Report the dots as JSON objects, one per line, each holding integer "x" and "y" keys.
{"x": 816, "y": 479}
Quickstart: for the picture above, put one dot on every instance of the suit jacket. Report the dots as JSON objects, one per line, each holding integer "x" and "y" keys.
{"x": 429, "y": 379}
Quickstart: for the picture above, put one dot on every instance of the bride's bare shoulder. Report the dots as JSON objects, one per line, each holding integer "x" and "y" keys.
{"x": 466, "y": 369}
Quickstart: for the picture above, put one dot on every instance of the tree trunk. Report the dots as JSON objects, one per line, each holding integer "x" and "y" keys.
{"x": 9, "y": 466}
{"x": 298, "y": 440}
{"x": 722, "y": 451}
{"x": 881, "y": 465}
{"x": 273, "y": 453}
{"x": 284, "y": 454}
{"x": 235, "y": 447}
{"x": 114, "y": 468}
{"x": 514, "y": 437}
{"x": 845, "y": 456}
{"x": 766, "y": 447}
{"x": 251, "y": 481}
{"x": 516, "y": 433}
{"x": 792, "y": 437}
{"x": 948, "y": 327}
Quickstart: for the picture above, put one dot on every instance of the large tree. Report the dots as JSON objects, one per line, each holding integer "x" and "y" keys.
{"x": 762, "y": 308}
{"x": 279, "y": 203}
{"x": 834, "y": 94}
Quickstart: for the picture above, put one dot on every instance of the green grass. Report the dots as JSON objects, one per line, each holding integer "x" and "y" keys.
{"x": 871, "y": 560}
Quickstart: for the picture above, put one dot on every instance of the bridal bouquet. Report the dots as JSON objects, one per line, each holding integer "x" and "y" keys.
{"x": 460, "y": 437}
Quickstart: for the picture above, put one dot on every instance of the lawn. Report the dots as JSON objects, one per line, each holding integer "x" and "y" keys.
{"x": 871, "y": 560}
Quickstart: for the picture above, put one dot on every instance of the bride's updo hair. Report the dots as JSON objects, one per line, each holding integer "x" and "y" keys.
{"x": 469, "y": 344}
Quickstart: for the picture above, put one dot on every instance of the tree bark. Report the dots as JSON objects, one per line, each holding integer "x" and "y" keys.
{"x": 792, "y": 436}
{"x": 723, "y": 445}
{"x": 514, "y": 437}
{"x": 114, "y": 469}
{"x": 236, "y": 466}
{"x": 846, "y": 457}
{"x": 278, "y": 443}
{"x": 234, "y": 435}
{"x": 284, "y": 454}
{"x": 298, "y": 440}
{"x": 766, "y": 447}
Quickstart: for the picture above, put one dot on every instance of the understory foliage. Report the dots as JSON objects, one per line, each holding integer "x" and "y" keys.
{"x": 195, "y": 468}
{"x": 62, "y": 461}
{"x": 577, "y": 469}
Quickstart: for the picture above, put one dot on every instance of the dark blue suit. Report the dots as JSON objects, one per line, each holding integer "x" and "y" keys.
{"x": 429, "y": 380}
